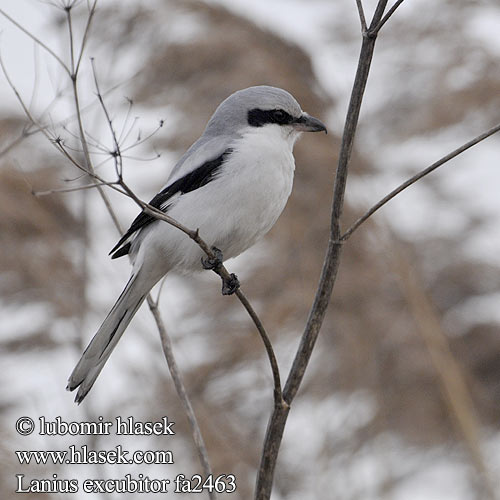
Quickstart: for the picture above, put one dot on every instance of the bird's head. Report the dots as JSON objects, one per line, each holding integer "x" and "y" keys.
{"x": 259, "y": 107}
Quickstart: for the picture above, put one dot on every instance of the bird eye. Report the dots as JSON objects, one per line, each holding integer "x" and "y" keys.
{"x": 279, "y": 114}
{"x": 281, "y": 117}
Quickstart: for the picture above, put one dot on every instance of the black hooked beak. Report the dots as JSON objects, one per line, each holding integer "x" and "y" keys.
{"x": 307, "y": 123}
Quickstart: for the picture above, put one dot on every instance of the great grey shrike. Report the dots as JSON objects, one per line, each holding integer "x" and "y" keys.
{"x": 232, "y": 185}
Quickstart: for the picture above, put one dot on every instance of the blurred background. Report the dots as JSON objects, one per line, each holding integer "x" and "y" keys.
{"x": 401, "y": 399}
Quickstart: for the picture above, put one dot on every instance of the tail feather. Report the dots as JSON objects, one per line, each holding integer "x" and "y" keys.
{"x": 104, "y": 341}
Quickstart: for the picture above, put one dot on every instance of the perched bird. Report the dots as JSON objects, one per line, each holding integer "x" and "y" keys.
{"x": 231, "y": 184}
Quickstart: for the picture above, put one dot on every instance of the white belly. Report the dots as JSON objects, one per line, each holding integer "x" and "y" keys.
{"x": 233, "y": 211}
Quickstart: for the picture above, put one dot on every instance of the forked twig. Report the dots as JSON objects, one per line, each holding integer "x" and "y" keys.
{"x": 362, "y": 17}
{"x": 390, "y": 12}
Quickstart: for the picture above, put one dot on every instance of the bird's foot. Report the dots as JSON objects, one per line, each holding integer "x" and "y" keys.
{"x": 230, "y": 285}
{"x": 213, "y": 263}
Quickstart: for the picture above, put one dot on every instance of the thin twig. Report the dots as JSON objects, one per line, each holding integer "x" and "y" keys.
{"x": 278, "y": 395}
{"x": 36, "y": 40}
{"x": 144, "y": 139}
{"x": 181, "y": 391}
{"x": 85, "y": 35}
{"x": 38, "y": 127}
{"x": 121, "y": 140}
{"x": 35, "y": 77}
{"x": 361, "y": 13}
{"x": 390, "y": 12}
{"x": 69, "y": 20}
{"x": 73, "y": 189}
{"x": 277, "y": 422}
{"x": 23, "y": 105}
{"x": 117, "y": 155}
{"x": 416, "y": 177}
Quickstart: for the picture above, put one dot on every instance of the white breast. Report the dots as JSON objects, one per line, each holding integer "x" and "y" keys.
{"x": 258, "y": 181}
{"x": 236, "y": 209}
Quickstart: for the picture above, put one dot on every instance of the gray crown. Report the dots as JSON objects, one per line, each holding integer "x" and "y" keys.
{"x": 232, "y": 113}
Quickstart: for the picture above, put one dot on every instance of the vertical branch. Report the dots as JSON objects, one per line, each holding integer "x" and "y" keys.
{"x": 331, "y": 263}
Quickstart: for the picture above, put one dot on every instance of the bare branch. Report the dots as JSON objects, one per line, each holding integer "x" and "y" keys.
{"x": 181, "y": 391}
{"x": 121, "y": 139}
{"x": 141, "y": 141}
{"x": 278, "y": 395}
{"x": 68, "y": 10}
{"x": 23, "y": 105}
{"x": 73, "y": 189}
{"x": 116, "y": 153}
{"x": 416, "y": 177}
{"x": 361, "y": 13}
{"x": 331, "y": 263}
{"x": 388, "y": 15}
{"x": 37, "y": 41}
{"x": 85, "y": 35}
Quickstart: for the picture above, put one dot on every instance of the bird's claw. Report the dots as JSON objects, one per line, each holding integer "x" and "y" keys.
{"x": 230, "y": 285}
{"x": 213, "y": 263}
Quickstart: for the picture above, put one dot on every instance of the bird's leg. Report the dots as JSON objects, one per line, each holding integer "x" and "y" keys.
{"x": 229, "y": 284}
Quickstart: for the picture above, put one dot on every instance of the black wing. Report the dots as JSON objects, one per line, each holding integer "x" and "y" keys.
{"x": 191, "y": 181}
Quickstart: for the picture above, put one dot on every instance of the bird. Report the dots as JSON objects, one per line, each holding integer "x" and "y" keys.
{"x": 231, "y": 186}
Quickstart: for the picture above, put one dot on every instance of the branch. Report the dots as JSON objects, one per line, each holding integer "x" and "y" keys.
{"x": 117, "y": 155}
{"x": 181, "y": 391}
{"x": 417, "y": 177}
{"x": 85, "y": 35}
{"x": 71, "y": 190}
{"x": 361, "y": 13}
{"x": 278, "y": 395}
{"x": 37, "y": 41}
{"x": 276, "y": 426}
{"x": 390, "y": 12}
